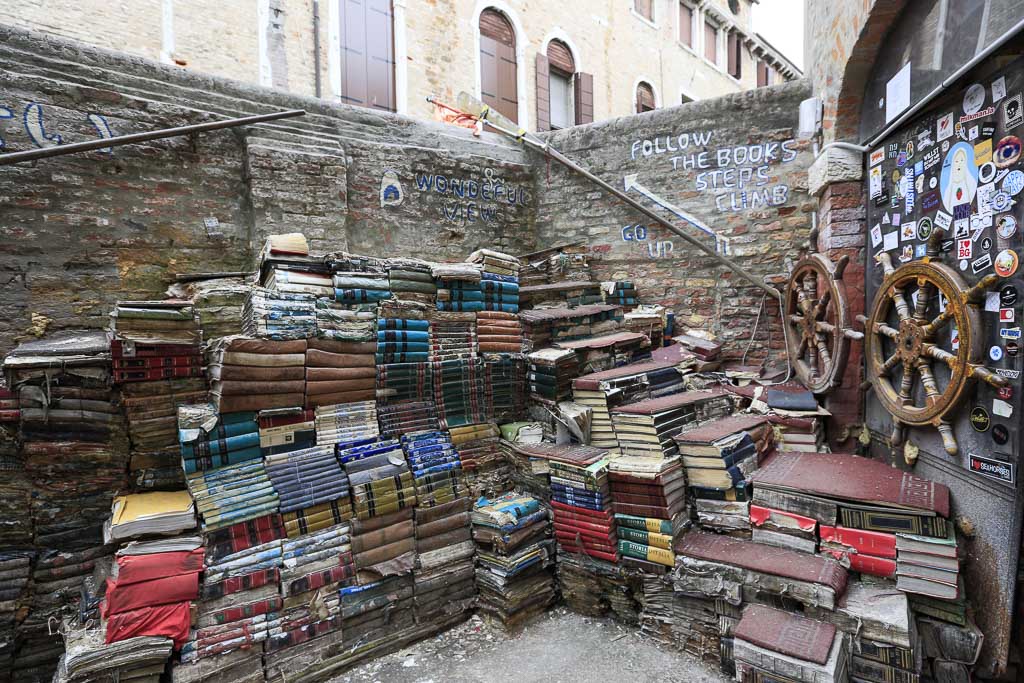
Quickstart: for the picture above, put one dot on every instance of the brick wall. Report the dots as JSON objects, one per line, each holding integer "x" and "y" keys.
{"x": 80, "y": 231}
{"x": 703, "y": 179}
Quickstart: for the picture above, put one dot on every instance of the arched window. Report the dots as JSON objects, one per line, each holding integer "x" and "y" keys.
{"x": 644, "y": 97}
{"x": 498, "y": 64}
{"x": 565, "y": 96}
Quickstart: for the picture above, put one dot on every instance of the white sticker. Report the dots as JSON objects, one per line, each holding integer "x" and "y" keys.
{"x": 992, "y": 302}
{"x": 891, "y": 241}
{"x": 878, "y": 156}
{"x": 1001, "y": 408}
{"x": 999, "y": 89}
{"x": 897, "y": 93}
{"x": 876, "y": 236}
{"x": 908, "y": 231}
{"x": 943, "y": 220}
{"x": 944, "y": 127}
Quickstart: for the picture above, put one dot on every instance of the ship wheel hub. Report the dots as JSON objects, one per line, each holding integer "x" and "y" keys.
{"x": 910, "y": 340}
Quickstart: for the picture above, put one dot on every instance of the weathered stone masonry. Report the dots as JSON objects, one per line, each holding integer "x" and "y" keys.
{"x": 78, "y": 232}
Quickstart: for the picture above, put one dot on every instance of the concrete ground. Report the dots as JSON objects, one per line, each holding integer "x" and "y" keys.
{"x": 558, "y": 647}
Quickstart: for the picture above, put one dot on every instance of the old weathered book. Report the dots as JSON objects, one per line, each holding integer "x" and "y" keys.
{"x": 825, "y": 512}
{"x": 864, "y": 542}
{"x": 876, "y": 612}
{"x": 950, "y": 642}
{"x": 863, "y": 668}
{"x": 841, "y": 477}
{"x": 942, "y": 547}
{"x": 721, "y": 436}
{"x": 912, "y": 584}
{"x": 791, "y": 645}
{"x": 781, "y": 540}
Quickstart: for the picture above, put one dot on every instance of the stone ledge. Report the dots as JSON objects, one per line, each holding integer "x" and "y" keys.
{"x": 836, "y": 165}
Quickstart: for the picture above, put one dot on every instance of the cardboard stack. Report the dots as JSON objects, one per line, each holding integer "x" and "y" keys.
{"x": 515, "y": 558}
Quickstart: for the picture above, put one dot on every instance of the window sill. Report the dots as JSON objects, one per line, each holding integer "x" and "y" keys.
{"x": 686, "y": 47}
{"x": 642, "y": 18}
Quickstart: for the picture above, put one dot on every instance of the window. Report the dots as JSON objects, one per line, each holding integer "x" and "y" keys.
{"x": 764, "y": 74}
{"x": 685, "y": 24}
{"x": 562, "y": 67}
{"x": 498, "y": 76}
{"x": 644, "y": 97}
{"x": 711, "y": 42}
{"x": 735, "y": 55}
{"x": 367, "y": 54}
{"x": 565, "y": 97}
{"x": 645, "y": 8}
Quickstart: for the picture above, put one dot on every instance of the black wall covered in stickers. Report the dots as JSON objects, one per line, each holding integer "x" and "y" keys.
{"x": 964, "y": 159}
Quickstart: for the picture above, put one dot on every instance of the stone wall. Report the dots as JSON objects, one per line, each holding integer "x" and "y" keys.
{"x": 733, "y": 163}
{"x": 78, "y": 232}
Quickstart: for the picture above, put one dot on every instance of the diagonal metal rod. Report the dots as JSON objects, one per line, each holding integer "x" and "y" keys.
{"x": 504, "y": 126}
{"x": 132, "y": 138}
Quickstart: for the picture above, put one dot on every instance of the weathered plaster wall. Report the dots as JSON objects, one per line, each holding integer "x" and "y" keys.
{"x": 78, "y": 232}
{"x": 734, "y": 163}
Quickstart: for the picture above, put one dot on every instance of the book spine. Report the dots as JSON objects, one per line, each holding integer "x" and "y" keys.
{"x": 646, "y": 552}
{"x": 657, "y": 526}
{"x": 646, "y": 537}
{"x": 893, "y": 522}
{"x": 825, "y": 513}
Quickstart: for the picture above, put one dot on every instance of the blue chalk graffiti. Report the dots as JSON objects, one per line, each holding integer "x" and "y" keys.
{"x": 103, "y": 128}
{"x": 36, "y": 129}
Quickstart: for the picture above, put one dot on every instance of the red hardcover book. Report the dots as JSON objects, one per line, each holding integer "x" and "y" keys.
{"x": 612, "y": 557}
{"x": 643, "y": 510}
{"x": 602, "y": 535}
{"x": 150, "y": 374}
{"x": 10, "y": 415}
{"x": 786, "y": 633}
{"x": 585, "y": 514}
{"x": 580, "y": 541}
{"x": 759, "y": 515}
{"x": 283, "y": 420}
{"x": 865, "y": 564}
{"x": 149, "y": 362}
{"x": 139, "y": 568}
{"x": 120, "y": 348}
{"x": 648, "y": 499}
{"x": 864, "y": 542}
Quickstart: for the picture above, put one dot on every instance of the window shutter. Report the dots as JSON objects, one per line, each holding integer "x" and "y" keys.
{"x": 560, "y": 57}
{"x": 498, "y": 64}
{"x": 644, "y": 8}
{"x": 644, "y": 98}
{"x": 583, "y": 87}
{"x": 762, "y": 74}
{"x": 710, "y": 43}
{"x": 367, "y": 54}
{"x": 543, "y": 93}
{"x": 735, "y": 51}
{"x": 685, "y": 25}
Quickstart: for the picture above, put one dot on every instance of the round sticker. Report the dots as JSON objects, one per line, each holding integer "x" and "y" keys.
{"x": 945, "y": 146}
{"x": 1001, "y": 202}
{"x": 1013, "y": 183}
{"x": 974, "y": 98}
{"x": 963, "y": 264}
{"x": 996, "y": 353}
{"x": 986, "y": 172}
{"x": 1006, "y": 263}
{"x": 1007, "y": 151}
{"x": 932, "y": 182}
{"x": 1000, "y": 434}
{"x": 1012, "y": 349}
{"x": 1007, "y": 296}
{"x": 1006, "y": 226}
{"x": 924, "y": 228}
{"x": 980, "y": 419}
{"x": 986, "y": 243}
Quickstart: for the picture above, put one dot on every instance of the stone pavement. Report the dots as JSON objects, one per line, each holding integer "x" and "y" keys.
{"x": 559, "y": 647}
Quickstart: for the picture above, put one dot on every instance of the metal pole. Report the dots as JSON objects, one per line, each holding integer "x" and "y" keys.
{"x": 316, "y": 46}
{"x": 61, "y": 150}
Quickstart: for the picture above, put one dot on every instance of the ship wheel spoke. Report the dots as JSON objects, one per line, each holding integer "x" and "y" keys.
{"x": 938, "y": 322}
{"x": 924, "y": 294}
{"x": 940, "y": 355}
{"x": 931, "y": 388}
{"x": 827, "y": 328}
{"x": 823, "y": 302}
{"x": 888, "y": 365}
{"x": 902, "y": 309}
{"x": 812, "y": 359}
{"x": 986, "y": 375}
{"x": 803, "y": 347}
{"x": 884, "y": 329}
{"x": 906, "y": 385}
{"x": 948, "y": 440}
{"x": 826, "y": 357}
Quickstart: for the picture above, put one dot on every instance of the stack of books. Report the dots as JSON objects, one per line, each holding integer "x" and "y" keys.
{"x": 171, "y": 322}
{"x": 280, "y": 315}
{"x": 649, "y": 502}
{"x": 718, "y": 457}
{"x": 649, "y": 320}
{"x": 928, "y": 566}
{"x": 770, "y": 643}
{"x": 515, "y": 558}
{"x": 551, "y": 374}
{"x": 607, "y": 351}
{"x": 860, "y": 505}
{"x": 581, "y": 502}
{"x": 647, "y": 428}
{"x": 149, "y": 514}
{"x": 286, "y": 429}
{"x": 703, "y": 349}
{"x": 544, "y": 326}
{"x": 380, "y": 479}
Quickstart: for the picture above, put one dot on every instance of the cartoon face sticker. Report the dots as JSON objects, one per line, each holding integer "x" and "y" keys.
{"x": 959, "y": 178}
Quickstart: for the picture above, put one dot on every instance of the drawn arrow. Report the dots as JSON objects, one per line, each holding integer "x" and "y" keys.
{"x": 632, "y": 184}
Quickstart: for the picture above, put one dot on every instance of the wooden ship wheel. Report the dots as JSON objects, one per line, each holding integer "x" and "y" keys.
{"x": 817, "y": 317}
{"x": 924, "y": 348}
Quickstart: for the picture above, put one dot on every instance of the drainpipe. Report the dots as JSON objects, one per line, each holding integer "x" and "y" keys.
{"x": 316, "y": 46}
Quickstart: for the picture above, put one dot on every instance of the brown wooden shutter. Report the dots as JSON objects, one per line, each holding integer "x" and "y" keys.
{"x": 644, "y": 8}
{"x": 685, "y": 25}
{"x": 583, "y": 94}
{"x": 644, "y": 98}
{"x": 710, "y": 43}
{"x": 762, "y": 74}
{"x": 560, "y": 57}
{"x": 367, "y": 53}
{"x": 735, "y": 55}
{"x": 543, "y": 73}
{"x": 493, "y": 24}
{"x": 498, "y": 83}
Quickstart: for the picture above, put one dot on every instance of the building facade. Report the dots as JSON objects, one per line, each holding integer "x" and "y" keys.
{"x": 543, "y": 64}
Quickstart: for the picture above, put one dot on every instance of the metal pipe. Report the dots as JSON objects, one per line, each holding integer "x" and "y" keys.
{"x": 61, "y": 150}
{"x": 941, "y": 87}
{"x": 316, "y": 46}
